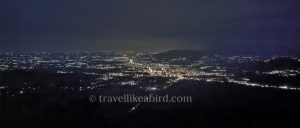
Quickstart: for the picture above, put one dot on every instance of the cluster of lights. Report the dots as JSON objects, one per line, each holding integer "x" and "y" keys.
{"x": 285, "y": 73}
{"x": 137, "y": 65}
{"x": 246, "y": 83}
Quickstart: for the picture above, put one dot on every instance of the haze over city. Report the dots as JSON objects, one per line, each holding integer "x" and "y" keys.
{"x": 151, "y": 25}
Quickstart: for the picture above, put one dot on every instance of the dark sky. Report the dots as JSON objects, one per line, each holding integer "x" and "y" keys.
{"x": 95, "y": 25}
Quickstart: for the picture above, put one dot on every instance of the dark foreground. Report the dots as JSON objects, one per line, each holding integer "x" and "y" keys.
{"x": 214, "y": 105}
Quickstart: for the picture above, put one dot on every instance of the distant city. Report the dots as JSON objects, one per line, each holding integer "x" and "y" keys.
{"x": 149, "y": 64}
{"x": 148, "y": 70}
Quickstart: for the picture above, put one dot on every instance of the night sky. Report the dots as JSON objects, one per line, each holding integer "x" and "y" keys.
{"x": 97, "y": 25}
